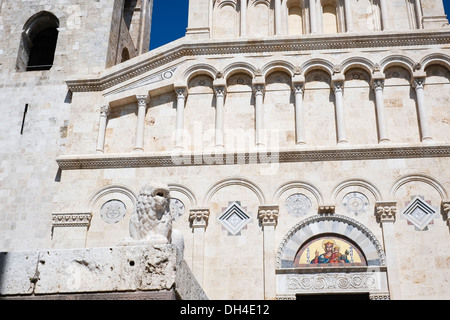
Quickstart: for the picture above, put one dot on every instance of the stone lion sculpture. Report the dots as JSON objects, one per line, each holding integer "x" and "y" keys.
{"x": 151, "y": 222}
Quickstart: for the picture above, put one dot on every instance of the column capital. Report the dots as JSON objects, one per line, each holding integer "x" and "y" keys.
{"x": 259, "y": 88}
{"x": 268, "y": 215}
{"x": 142, "y": 100}
{"x": 181, "y": 91}
{"x": 386, "y": 211}
{"x": 220, "y": 90}
{"x": 105, "y": 110}
{"x": 377, "y": 83}
{"x": 418, "y": 82}
{"x": 298, "y": 87}
{"x": 199, "y": 217}
{"x": 338, "y": 82}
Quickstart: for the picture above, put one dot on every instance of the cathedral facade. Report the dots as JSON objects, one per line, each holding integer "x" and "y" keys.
{"x": 305, "y": 143}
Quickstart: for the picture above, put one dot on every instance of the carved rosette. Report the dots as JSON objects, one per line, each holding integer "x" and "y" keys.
{"x": 268, "y": 215}
{"x": 71, "y": 220}
{"x": 199, "y": 218}
{"x": 386, "y": 211}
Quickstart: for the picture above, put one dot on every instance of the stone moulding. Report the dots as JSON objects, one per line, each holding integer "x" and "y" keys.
{"x": 181, "y": 48}
{"x": 102, "y": 161}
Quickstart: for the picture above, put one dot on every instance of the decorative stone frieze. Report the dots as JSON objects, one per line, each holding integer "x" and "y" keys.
{"x": 199, "y": 217}
{"x": 77, "y": 162}
{"x": 72, "y": 220}
{"x": 386, "y": 211}
{"x": 268, "y": 215}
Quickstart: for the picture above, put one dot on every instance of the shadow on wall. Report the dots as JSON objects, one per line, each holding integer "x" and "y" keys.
{"x": 3, "y": 258}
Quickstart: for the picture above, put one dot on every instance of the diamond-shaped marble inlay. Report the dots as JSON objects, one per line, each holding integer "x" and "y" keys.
{"x": 419, "y": 213}
{"x": 234, "y": 218}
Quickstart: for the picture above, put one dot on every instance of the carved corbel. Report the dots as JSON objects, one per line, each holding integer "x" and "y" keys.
{"x": 72, "y": 220}
{"x": 199, "y": 217}
{"x": 268, "y": 215}
{"x": 386, "y": 211}
{"x": 327, "y": 209}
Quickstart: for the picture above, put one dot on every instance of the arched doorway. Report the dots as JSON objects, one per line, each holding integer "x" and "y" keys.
{"x": 331, "y": 256}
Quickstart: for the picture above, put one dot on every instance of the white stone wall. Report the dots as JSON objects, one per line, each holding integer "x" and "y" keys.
{"x": 338, "y": 115}
{"x": 28, "y": 169}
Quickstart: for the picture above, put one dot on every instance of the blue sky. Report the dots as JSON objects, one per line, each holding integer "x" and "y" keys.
{"x": 169, "y": 21}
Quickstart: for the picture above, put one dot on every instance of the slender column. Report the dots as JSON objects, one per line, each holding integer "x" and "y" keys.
{"x": 338, "y": 87}
{"x": 199, "y": 221}
{"x": 348, "y": 16}
{"x": 268, "y": 219}
{"x": 220, "y": 98}
{"x": 378, "y": 85}
{"x": 313, "y": 15}
{"x": 142, "y": 109}
{"x": 104, "y": 114}
{"x": 243, "y": 18}
{"x": 384, "y": 15}
{"x": 418, "y": 84}
{"x": 278, "y": 17}
{"x": 299, "y": 113}
{"x": 418, "y": 8}
{"x": 385, "y": 213}
{"x": 259, "y": 111}
{"x": 181, "y": 99}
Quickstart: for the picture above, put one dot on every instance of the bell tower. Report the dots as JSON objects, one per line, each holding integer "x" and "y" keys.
{"x": 130, "y": 30}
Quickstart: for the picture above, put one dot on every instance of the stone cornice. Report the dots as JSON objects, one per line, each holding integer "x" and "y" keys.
{"x": 104, "y": 161}
{"x": 183, "y": 48}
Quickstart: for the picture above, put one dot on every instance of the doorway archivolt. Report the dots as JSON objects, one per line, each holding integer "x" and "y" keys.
{"x": 329, "y": 255}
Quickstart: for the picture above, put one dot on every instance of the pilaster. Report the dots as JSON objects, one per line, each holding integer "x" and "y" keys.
{"x": 385, "y": 214}
{"x": 268, "y": 219}
{"x": 69, "y": 230}
{"x": 446, "y": 211}
{"x": 433, "y": 14}
{"x": 198, "y": 219}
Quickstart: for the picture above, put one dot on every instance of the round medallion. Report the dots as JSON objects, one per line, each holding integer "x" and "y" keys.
{"x": 113, "y": 211}
{"x": 168, "y": 75}
{"x": 298, "y": 205}
{"x": 356, "y": 202}
{"x": 176, "y": 208}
